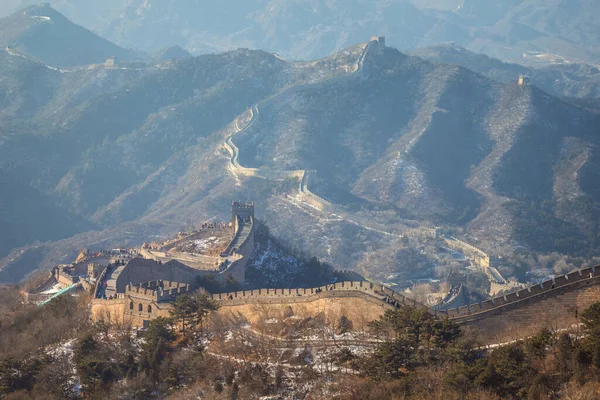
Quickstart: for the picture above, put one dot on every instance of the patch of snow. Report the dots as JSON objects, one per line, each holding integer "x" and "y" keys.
{"x": 54, "y": 289}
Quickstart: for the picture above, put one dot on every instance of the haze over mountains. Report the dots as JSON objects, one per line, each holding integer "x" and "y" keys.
{"x": 45, "y": 35}
{"x": 569, "y": 80}
{"x": 529, "y": 31}
{"x": 92, "y": 156}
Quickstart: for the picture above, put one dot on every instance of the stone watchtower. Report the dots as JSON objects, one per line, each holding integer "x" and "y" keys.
{"x": 379, "y": 39}
{"x": 111, "y": 62}
{"x": 241, "y": 209}
{"x": 524, "y": 80}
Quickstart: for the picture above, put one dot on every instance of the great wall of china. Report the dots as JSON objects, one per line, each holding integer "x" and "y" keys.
{"x": 479, "y": 258}
{"x": 305, "y": 195}
{"x": 555, "y": 303}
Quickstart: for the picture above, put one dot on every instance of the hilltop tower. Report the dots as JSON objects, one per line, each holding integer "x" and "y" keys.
{"x": 241, "y": 209}
{"x": 111, "y": 62}
{"x": 524, "y": 80}
{"x": 379, "y": 39}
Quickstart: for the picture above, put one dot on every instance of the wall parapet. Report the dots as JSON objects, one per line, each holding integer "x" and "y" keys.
{"x": 381, "y": 293}
{"x": 99, "y": 282}
{"x": 157, "y": 290}
{"x": 550, "y": 287}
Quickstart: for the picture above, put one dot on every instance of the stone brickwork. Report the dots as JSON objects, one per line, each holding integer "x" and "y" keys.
{"x": 359, "y": 310}
{"x": 554, "y": 304}
{"x": 139, "y": 304}
{"x": 365, "y": 293}
{"x": 558, "y": 310}
{"x": 479, "y": 257}
{"x": 232, "y": 261}
{"x": 158, "y": 291}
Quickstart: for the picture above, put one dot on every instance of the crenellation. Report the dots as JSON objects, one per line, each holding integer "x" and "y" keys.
{"x": 147, "y": 296}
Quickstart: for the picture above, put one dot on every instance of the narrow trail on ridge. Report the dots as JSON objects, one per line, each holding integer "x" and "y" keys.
{"x": 305, "y": 196}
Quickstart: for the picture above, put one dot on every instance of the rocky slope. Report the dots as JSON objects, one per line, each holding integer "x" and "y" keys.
{"x": 568, "y": 80}
{"x": 391, "y": 139}
{"x": 44, "y": 35}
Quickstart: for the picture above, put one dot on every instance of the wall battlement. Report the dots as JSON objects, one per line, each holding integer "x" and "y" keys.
{"x": 377, "y": 292}
{"x": 480, "y": 258}
{"x": 526, "y": 311}
{"x": 555, "y": 286}
{"x": 464, "y": 314}
{"x": 157, "y": 291}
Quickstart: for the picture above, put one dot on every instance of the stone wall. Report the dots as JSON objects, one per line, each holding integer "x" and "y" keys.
{"x": 127, "y": 310}
{"x": 480, "y": 258}
{"x": 555, "y": 302}
{"x": 362, "y": 289}
{"x": 359, "y": 310}
{"x": 309, "y": 197}
{"x": 65, "y": 279}
{"x": 111, "y": 311}
{"x": 361, "y": 300}
{"x": 560, "y": 309}
{"x": 237, "y": 269}
{"x": 157, "y": 291}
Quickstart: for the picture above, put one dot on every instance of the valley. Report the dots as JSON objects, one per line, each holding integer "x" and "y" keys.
{"x": 347, "y": 158}
{"x": 285, "y": 199}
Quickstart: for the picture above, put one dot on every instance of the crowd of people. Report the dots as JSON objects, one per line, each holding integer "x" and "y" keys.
{"x": 215, "y": 225}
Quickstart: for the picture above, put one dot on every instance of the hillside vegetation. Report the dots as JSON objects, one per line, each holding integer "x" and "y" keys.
{"x": 396, "y": 143}
{"x": 54, "y": 352}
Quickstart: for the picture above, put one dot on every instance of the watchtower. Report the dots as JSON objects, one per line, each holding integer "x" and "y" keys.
{"x": 379, "y": 39}
{"x": 242, "y": 209}
{"x": 111, "y": 62}
{"x": 524, "y": 80}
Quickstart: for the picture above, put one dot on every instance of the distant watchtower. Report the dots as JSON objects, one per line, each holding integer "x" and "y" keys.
{"x": 379, "y": 39}
{"x": 111, "y": 62}
{"x": 524, "y": 80}
{"x": 241, "y": 209}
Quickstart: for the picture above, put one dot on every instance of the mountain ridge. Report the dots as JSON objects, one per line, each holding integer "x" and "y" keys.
{"x": 145, "y": 151}
{"x": 308, "y": 30}
{"x": 45, "y": 35}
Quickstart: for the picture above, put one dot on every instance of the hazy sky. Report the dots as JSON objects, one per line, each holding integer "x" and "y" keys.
{"x": 8, "y": 6}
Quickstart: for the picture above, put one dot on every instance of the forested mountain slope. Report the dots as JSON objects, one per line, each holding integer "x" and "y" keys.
{"x": 401, "y": 142}
{"x": 390, "y": 139}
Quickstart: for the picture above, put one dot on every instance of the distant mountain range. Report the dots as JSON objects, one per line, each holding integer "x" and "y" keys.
{"x": 43, "y": 34}
{"x": 568, "y": 80}
{"x": 522, "y": 31}
{"x": 101, "y": 156}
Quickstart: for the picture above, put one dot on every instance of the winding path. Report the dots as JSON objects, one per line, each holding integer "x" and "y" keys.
{"x": 305, "y": 195}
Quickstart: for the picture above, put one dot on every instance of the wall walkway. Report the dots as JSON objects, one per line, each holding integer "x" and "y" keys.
{"x": 370, "y": 291}
{"x": 553, "y": 287}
